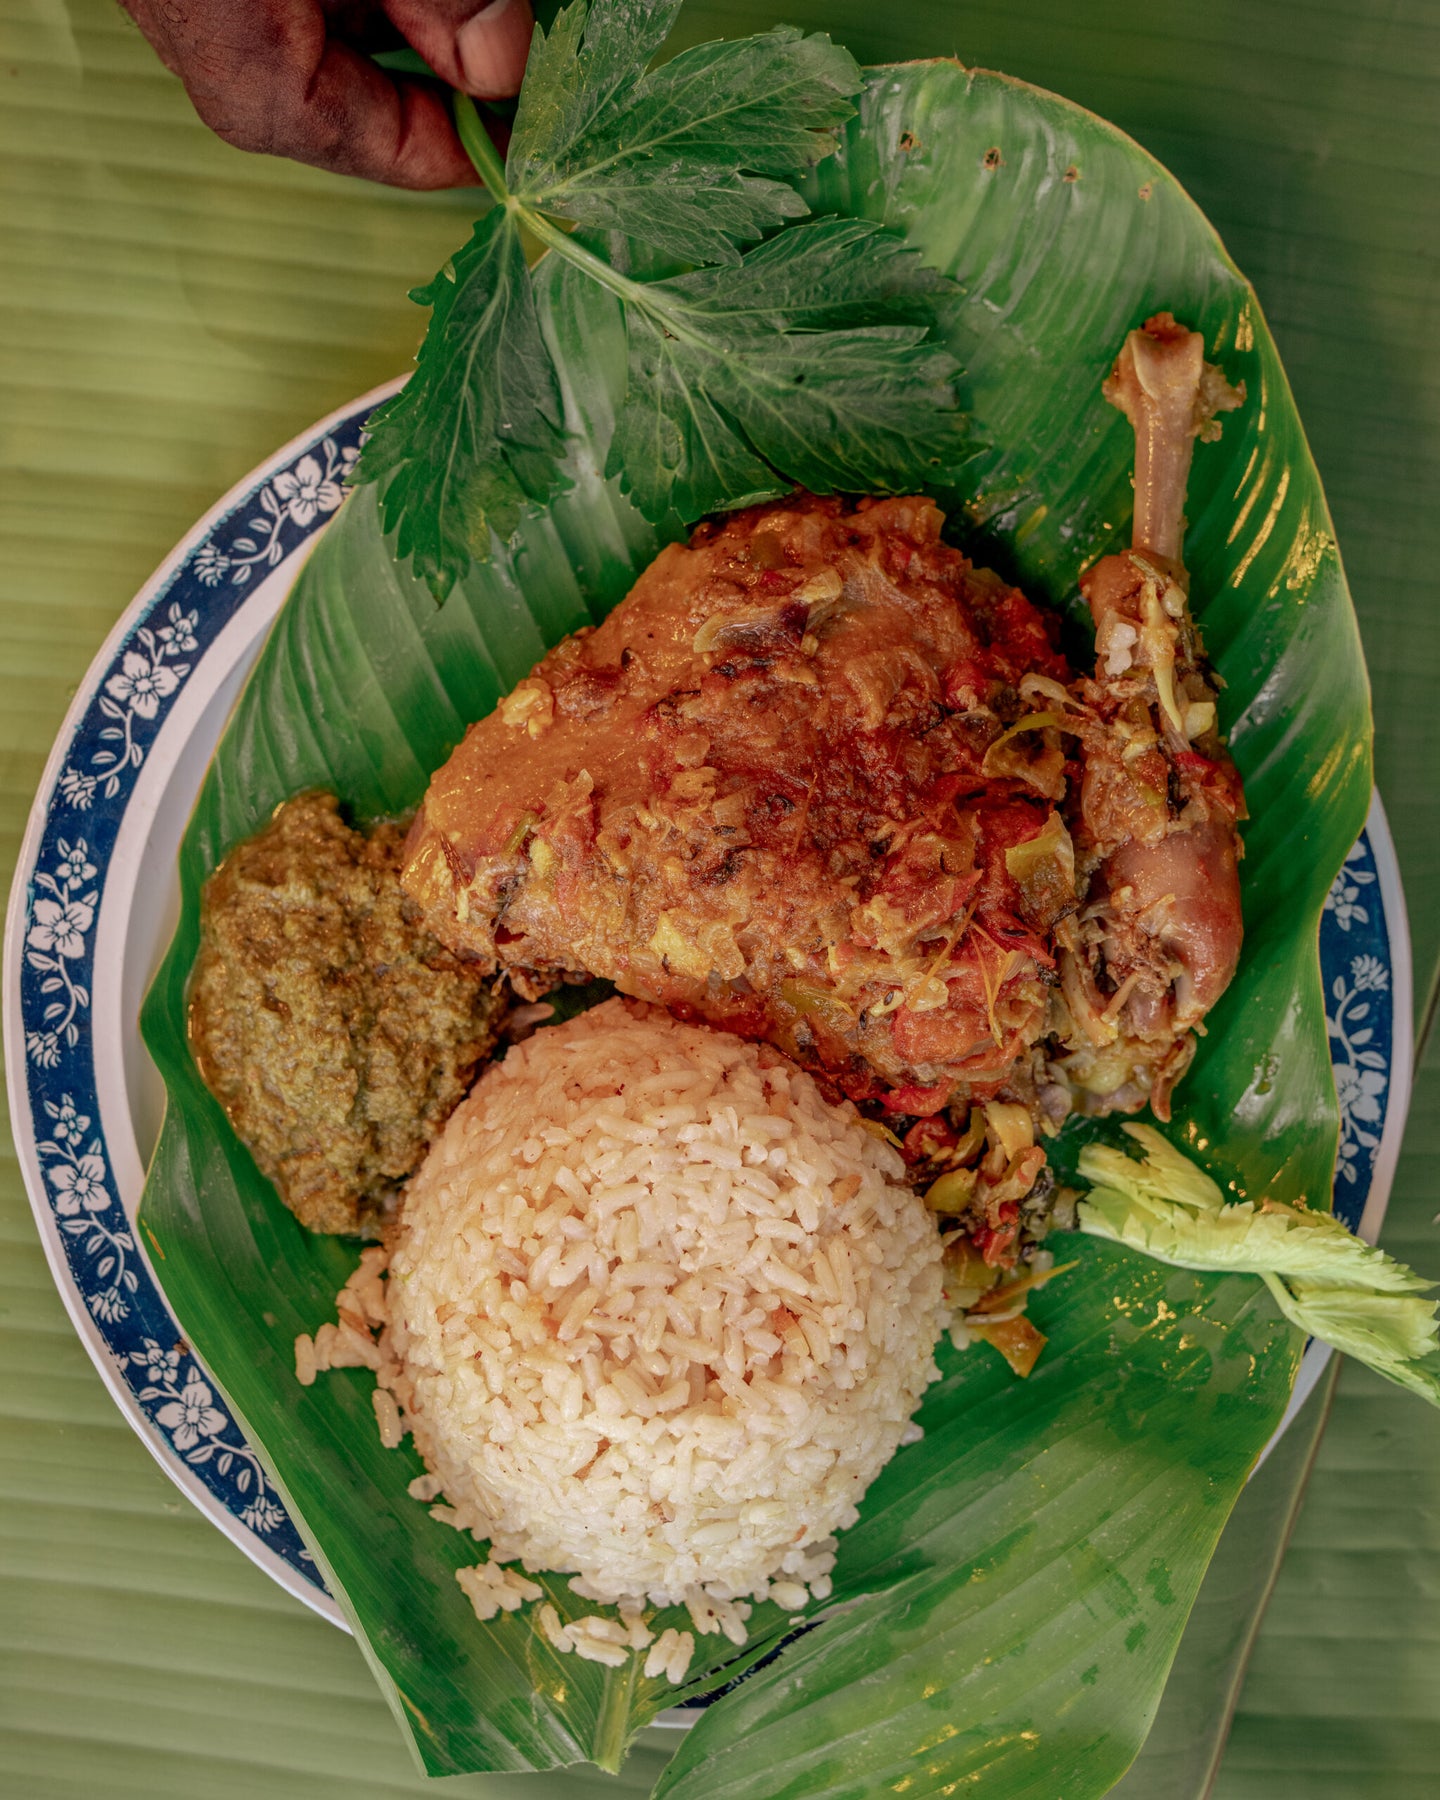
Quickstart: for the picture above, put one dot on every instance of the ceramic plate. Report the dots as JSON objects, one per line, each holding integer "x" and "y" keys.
{"x": 95, "y": 900}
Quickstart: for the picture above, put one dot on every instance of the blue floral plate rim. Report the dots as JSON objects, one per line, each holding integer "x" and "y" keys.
{"x": 134, "y": 733}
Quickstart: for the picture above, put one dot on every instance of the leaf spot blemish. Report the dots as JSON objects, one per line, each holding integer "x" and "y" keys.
{"x": 909, "y": 142}
{"x": 1147, "y": 189}
{"x": 1072, "y": 174}
{"x": 992, "y": 158}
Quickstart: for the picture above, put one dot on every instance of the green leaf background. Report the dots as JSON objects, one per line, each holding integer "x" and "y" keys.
{"x": 1012, "y": 1598}
{"x": 483, "y": 319}
{"x": 659, "y": 153}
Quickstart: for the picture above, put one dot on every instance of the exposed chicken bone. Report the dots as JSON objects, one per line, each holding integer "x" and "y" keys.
{"x": 1171, "y": 395}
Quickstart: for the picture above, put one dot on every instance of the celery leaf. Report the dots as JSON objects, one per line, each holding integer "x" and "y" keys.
{"x": 476, "y": 431}
{"x": 693, "y": 157}
{"x": 811, "y": 362}
{"x": 1324, "y": 1279}
{"x": 810, "y": 358}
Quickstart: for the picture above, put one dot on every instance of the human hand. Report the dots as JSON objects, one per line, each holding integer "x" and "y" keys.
{"x": 292, "y": 77}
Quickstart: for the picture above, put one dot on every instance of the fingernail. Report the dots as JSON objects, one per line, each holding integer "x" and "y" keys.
{"x": 492, "y": 48}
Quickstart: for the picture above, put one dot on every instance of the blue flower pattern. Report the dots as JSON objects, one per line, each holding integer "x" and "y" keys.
{"x": 1360, "y": 1018}
{"x": 86, "y": 808}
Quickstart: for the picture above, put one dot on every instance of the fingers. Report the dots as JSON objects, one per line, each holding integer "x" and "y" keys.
{"x": 355, "y": 118}
{"x": 264, "y": 76}
{"x": 480, "y": 48}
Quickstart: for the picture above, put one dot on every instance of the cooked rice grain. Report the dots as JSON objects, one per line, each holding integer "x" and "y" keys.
{"x": 663, "y": 1312}
{"x": 387, "y": 1417}
{"x": 671, "y": 1656}
{"x": 492, "y": 1589}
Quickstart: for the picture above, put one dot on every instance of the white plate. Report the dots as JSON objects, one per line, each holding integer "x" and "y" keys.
{"x": 95, "y": 900}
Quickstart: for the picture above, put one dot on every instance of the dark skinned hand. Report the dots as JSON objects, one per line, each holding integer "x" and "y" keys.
{"x": 293, "y": 77}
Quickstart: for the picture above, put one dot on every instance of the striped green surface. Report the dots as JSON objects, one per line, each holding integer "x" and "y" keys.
{"x": 170, "y": 312}
{"x": 1342, "y": 1696}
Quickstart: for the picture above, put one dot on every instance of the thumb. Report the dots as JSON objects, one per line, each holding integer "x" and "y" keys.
{"x": 479, "y": 48}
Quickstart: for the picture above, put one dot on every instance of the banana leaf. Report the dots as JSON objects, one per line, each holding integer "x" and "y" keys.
{"x": 1007, "y": 1609}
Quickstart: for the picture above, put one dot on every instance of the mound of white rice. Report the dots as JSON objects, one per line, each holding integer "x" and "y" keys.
{"x": 662, "y": 1312}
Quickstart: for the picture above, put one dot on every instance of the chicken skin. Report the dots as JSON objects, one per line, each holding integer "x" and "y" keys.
{"x": 780, "y": 788}
{"x": 819, "y": 780}
{"x": 1158, "y": 937}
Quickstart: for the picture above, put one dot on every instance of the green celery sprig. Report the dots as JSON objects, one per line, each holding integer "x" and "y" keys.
{"x": 1324, "y": 1279}
{"x": 805, "y": 359}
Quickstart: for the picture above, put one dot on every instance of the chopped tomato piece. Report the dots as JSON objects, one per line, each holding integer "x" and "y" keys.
{"x": 929, "y": 1139}
{"x": 919, "y": 1102}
